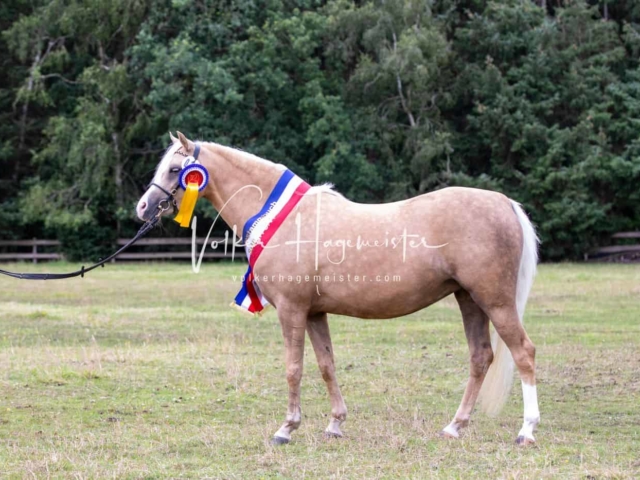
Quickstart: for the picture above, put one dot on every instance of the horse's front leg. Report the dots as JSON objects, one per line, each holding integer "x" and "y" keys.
{"x": 293, "y": 323}
{"x": 318, "y": 329}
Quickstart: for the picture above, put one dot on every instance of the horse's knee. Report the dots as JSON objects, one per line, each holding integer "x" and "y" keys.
{"x": 327, "y": 370}
{"x": 294, "y": 374}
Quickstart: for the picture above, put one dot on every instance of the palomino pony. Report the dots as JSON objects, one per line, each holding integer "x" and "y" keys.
{"x": 478, "y": 245}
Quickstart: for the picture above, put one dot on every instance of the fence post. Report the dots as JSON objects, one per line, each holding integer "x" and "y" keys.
{"x": 34, "y": 250}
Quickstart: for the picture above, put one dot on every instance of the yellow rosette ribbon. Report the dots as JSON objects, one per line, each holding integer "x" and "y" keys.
{"x": 187, "y": 205}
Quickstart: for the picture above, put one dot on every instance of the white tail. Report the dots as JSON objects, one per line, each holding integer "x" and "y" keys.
{"x": 497, "y": 384}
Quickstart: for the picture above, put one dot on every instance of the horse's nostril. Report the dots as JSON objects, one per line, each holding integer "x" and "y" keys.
{"x": 143, "y": 205}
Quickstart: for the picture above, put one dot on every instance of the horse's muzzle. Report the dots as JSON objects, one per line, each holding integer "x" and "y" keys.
{"x": 156, "y": 203}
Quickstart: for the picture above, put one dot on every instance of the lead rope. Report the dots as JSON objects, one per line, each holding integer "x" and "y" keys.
{"x": 80, "y": 273}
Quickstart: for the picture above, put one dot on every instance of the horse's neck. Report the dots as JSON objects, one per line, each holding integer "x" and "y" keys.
{"x": 239, "y": 182}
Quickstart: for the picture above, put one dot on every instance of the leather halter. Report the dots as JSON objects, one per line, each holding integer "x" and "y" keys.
{"x": 170, "y": 202}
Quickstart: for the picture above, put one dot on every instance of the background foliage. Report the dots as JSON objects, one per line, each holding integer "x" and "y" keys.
{"x": 385, "y": 99}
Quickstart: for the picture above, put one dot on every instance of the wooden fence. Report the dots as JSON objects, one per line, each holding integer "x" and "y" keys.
{"x": 34, "y": 255}
{"x": 628, "y": 252}
{"x": 164, "y": 249}
{"x": 209, "y": 252}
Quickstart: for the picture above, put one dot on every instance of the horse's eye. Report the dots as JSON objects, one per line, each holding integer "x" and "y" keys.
{"x": 174, "y": 170}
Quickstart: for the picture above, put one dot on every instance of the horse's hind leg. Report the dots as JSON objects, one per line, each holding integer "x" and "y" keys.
{"x": 476, "y": 328}
{"x": 318, "y": 330}
{"x": 507, "y": 324}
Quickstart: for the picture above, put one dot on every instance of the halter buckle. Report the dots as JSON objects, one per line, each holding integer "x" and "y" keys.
{"x": 165, "y": 205}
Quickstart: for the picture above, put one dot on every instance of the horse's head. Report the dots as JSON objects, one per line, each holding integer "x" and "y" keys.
{"x": 164, "y": 193}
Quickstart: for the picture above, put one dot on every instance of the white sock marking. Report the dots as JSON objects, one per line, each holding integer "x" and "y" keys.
{"x": 531, "y": 411}
{"x": 452, "y": 429}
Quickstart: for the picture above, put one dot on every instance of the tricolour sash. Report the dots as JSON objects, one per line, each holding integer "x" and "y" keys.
{"x": 258, "y": 231}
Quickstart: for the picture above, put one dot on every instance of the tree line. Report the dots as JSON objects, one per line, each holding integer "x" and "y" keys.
{"x": 385, "y": 99}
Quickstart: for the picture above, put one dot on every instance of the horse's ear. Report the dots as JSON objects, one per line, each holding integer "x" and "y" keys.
{"x": 173, "y": 139}
{"x": 183, "y": 141}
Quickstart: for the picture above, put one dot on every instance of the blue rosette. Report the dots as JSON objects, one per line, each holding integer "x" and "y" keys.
{"x": 188, "y": 173}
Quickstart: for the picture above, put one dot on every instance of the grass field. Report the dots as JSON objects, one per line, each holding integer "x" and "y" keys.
{"x": 142, "y": 371}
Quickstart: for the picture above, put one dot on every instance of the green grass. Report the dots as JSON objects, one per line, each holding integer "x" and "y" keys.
{"x": 142, "y": 371}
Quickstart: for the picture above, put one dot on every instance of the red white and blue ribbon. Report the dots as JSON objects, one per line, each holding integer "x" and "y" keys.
{"x": 260, "y": 228}
{"x": 193, "y": 172}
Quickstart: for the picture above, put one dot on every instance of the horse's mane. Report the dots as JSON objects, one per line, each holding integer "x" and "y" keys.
{"x": 244, "y": 156}
{"x": 241, "y": 155}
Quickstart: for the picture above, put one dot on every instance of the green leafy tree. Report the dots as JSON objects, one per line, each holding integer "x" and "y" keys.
{"x": 544, "y": 117}
{"x": 79, "y": 66}
{"x": 537, "y": 99}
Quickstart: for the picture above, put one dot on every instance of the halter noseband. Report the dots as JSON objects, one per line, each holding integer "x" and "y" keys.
{"x": 170, "y": 202}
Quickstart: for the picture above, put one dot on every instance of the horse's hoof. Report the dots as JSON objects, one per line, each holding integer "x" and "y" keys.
{"x": 446, "y": 434}
{"x": 277, "y": 441}
{"x": 330, "y": 435}
{"x": 524, "y": 441}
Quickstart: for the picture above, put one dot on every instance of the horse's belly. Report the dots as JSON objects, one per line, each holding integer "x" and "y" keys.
{"x": 379, "y": 295}
{"x": 375, "y": 282}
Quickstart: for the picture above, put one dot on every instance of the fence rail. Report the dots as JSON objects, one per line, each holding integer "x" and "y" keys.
{"x": 29, "y": 243}
{"x": 168, "y": 254}
{"x": 626, "y": 235}
{"x": 34, "y": 255}
{"x": 629, "y": 252}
